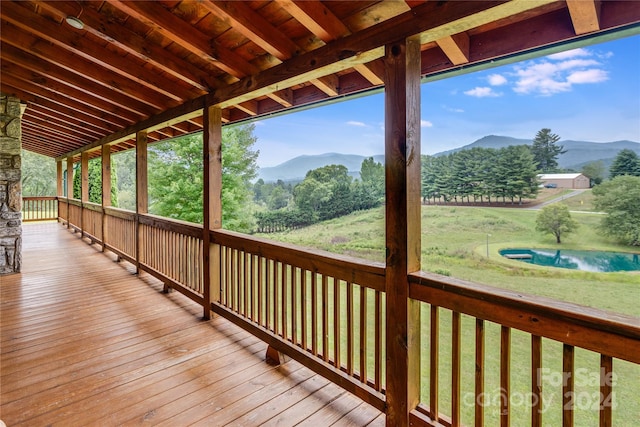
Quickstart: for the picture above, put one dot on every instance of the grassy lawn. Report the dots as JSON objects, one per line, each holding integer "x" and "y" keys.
{"x": 454, "y": 243}
{"x": 581, "y": 202}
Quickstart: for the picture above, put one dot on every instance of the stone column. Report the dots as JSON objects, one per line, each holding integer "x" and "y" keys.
{"x": 10, "y": 186}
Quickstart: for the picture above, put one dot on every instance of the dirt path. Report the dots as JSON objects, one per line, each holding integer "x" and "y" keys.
{"x": 557, "y": 199}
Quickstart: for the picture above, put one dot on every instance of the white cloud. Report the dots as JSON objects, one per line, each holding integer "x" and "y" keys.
{"x": 588, "y": 76}
{"x": 576, "y": 63}
{"x": 426, "y": 124}
{"x": 355, "y": 123}
{"x": 547, "y": 78}
{"x": 569, "y": 54}
{"x": 496, "y": 80}
{"x": 482, "y": 92}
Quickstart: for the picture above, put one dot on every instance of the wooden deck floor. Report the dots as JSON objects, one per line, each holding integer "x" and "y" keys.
{"x": 84, "y": 341}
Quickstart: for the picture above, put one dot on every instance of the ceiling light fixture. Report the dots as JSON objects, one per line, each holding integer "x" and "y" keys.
{"x": 75, "y": 21}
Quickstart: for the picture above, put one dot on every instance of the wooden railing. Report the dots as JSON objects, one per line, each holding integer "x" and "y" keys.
{"x": 172, "y": 251}
{"x": 328, "y": 312}
{"x": 92, "y": 221}
{"x": 322, "y": 309}
{"x": 120, "y": 233}
{"x": 39, "y": 208}
{"x": 512, "y": 326}
{"x": 74, "y": 218}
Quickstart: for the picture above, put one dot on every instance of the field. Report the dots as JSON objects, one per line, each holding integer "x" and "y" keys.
{"x": 463, "y": 242}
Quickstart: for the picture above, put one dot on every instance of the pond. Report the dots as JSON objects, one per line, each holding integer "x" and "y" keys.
{"x": 596, "y": 261}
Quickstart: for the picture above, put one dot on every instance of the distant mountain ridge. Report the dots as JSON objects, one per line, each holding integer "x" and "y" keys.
{"x": 296, "y": 169}
{"x": 578, "y": 153}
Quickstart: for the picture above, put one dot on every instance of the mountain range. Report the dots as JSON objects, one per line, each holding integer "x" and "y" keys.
{"x": 578, "y": 153}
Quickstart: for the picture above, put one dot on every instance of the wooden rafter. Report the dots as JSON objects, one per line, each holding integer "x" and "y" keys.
{"x": 456, "y": 47}
{"x": 183, "y": 34}
{"x": 585, "y": 15}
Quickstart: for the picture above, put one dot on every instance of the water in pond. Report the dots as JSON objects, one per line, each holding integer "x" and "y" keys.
{"x": 577, "y": 260}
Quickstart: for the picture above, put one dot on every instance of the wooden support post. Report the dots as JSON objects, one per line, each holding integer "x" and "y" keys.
{"x": 274, "y": 358}
{"x": 59, "y": 179}
{"x": 69, "y": 188}
{"x": 402, "y": 175}
{"x": 212, "y": 152}
{"x": 84, "y": 187}
{"x": 106, "y": 189}
{"x": 142, "y": 197}
{"x": 59, "y": 188}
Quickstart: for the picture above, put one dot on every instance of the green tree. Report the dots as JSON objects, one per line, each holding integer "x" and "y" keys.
{"x": 325, "y": 192}
{"x": 594, "y": 171}
{"x": 176, "y": 178}
{"x": 515, "y": 173}
{"x": 555, "y": 219}
{"x": 545, "y": 151}
{"x": 371, "y": 190}
{"x": 626, "y": 162}
{"x": 620, "y": 199}
{"x": 278, "y": 198}
{"x": 38, "y": 175}
{"x": 95, "y": 182}
{"x": 123, "y": 166}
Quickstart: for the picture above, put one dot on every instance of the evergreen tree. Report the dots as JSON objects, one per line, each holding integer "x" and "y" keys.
{"x": 626, "y": 162}
{"x": 371, "y": 183}
{"x": 95, "y": 182}
{"x": 428, "y": 177}
{"x": 545, "y": 151}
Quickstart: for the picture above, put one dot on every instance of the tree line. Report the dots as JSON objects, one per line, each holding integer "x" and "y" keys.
{"x": 480, "y": 175}
{"x": 325, "y": 193}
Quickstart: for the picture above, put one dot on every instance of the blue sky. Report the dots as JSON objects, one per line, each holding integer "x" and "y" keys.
{"x": 588, "y": 94}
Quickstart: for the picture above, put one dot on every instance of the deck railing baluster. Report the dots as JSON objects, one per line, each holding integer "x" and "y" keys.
{"x": 568, "y": 391}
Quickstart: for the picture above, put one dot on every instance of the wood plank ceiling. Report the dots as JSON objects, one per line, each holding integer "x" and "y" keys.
{"x": 144, "y": 61}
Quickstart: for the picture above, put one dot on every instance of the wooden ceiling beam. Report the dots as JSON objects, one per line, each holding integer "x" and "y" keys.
{"x": 585, "y": 15}
{"x": 456, "y": 47}
{"x": 368, "y": 73}
{"x": 62, "y": 116}
{"x": 317, "y": 18}
{"x": 14, "y": 55}
{"x": 66, "y": 125}
{"x": 52, "y": 127}
{"x": 240, "y": 17}
{"x": 329, "y": 84}
{"x": 63, "y": 100}
{"x": 64, "y": 90}
{"x": 283, "y": 97}
{"x": 51, "y": 141}
{"x": 53, "y": 138}
{"x": 243, "y": 19}
{"x": 325, "y": 25}
{"x": 68, "y": 39}
{"x": 187, "y": 111}
{"x": 77, "y": 66}
{"x": 432, "y": 20}
{"x": 132, "y": 43}
{"x": 249, "y": 107}
{"x": 185, "y": 35}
